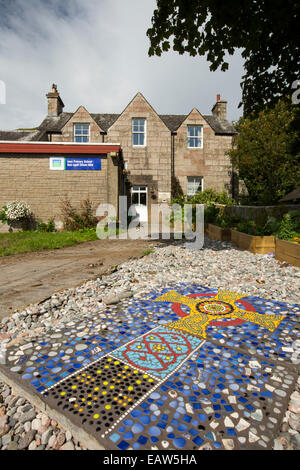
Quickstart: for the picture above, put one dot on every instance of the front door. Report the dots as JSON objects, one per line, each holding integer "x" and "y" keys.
{"x": 139, "y": 202}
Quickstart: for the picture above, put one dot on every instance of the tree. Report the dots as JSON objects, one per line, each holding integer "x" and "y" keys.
{"x": 265, "y": 155}
{"x": 265, "y": 30}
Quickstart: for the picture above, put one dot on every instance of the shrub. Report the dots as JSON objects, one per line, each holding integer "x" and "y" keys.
{"x": 208, "y": 196}
{"x": 75, "y": 220}
{"x": 290, "y": 226}
{"x": 250, "y": 227}
{"x": 227, "y": 221}
{"x": 210, "y": 214}
{"x": 17, "y": 214}
{"x": 15, "y": 211}
{"x": 46, "y": 226}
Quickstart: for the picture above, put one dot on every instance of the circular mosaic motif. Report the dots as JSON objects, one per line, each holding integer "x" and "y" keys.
{"x": 214, "y": 307}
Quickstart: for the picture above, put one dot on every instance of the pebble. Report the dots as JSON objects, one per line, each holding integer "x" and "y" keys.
{"x": 46, "y": 436}
{"x": 68, "y": 446}
{"x": 26, "y": 440}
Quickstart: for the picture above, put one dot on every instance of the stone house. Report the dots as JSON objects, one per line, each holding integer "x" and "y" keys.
{"x": 155, "y": 150}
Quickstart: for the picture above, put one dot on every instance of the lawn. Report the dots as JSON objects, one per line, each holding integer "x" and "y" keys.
{"x": 24, "y": 242}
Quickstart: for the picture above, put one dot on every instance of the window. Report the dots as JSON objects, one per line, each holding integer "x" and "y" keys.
{"x": 81, "y": 132}
{"x": 195, "y": 136}
{"x": 139, "y": 132}
{"x": 194, "y": 185}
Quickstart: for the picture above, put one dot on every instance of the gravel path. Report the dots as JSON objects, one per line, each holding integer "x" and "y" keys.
{"x": 217, "y": 265}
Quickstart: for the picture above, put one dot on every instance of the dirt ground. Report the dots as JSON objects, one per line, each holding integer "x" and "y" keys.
{"x": 32, "y": 277}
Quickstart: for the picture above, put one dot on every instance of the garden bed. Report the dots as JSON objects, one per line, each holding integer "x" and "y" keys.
{"x": 255, "y": 244}
{"x": 287, "y": 251}
{"x": 218, "y": 233}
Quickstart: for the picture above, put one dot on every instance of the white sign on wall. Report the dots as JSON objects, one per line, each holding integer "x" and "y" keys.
{"x": 57, "y": 163}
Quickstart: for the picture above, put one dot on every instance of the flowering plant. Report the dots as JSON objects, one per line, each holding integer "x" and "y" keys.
{"x": 15, "y": 211}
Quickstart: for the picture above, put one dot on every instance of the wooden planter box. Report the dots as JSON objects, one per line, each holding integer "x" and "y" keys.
{"x": 218, "y": 233}
{"x": 287, "y": 251}
{"x": 253, "y": 243}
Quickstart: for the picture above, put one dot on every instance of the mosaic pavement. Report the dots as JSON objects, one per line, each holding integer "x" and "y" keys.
{"x": 183, "y": 368}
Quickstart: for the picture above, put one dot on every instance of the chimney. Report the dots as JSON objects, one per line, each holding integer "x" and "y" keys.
{"x": 220, "y": 108}
{"x": 55, "y": 103}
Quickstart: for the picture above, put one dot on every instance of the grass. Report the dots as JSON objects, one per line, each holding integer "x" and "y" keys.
{"x": 147, "y": 252}
{"x": 24, "y": 242}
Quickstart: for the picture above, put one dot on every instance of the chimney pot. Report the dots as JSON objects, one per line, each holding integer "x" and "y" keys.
{"x": 218, "y": 97}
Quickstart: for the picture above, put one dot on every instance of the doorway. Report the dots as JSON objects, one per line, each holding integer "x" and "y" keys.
{"x": 139, "y": 200}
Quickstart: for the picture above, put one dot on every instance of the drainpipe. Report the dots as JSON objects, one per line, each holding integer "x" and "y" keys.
{"x": 103, "y": 133}
{"x": 173, "y": 153}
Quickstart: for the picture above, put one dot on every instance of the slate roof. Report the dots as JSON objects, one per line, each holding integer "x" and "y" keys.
{"x": 105, "y": 121}
{"x": 28, "y": 135}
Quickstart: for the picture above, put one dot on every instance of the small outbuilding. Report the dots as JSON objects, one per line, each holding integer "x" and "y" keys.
{"x": 43, "y": 174}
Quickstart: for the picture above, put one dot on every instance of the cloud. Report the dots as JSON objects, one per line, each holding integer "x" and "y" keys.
{"x": 97, "y": 54}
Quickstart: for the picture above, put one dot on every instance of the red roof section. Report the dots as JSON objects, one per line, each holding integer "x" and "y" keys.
{"x": 57, "y": 148}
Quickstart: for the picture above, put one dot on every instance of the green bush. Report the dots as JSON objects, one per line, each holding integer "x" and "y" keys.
{"x": 208, "y": 196}
{"x": 290, "y": 226}
{"x": 210, "y": 214}
{"x": 211, "y": 196}
{"x": 227, "y": 221}
{"x": 3, "y": 215}
{"x": 46, "y": 226}
{"x": 250, "y": 227}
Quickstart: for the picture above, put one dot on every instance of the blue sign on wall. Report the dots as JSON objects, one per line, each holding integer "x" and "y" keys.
{"x": 79, "y": 163}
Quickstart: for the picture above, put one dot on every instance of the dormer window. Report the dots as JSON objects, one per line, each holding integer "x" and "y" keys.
{"x": 81, "y": 132}
{"x": 139, "y": 132}
{"x": 195, "y": 137}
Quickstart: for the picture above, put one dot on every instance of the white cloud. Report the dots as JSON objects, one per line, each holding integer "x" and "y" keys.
{"x": 97, "y": 54}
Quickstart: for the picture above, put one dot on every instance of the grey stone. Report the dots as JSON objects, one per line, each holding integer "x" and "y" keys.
{"x": 26, "y": 440}
{"x": 294, "y": 422}
{"x": 6, "y": 439}
{"x": 13, "y": 446}
{"x": 4, "y": 430}
{"x": 68, "y": 446}
{"x": 125, "y": 295}
{"x": 46, "y": 436}
{"x": 111, "y": 299}
{"x": 28, "y": 416}
{"x": 295, "y": 439}
{"x": 277, "y": 445}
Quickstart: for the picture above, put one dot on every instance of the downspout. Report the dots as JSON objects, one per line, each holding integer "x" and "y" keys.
{"x": 173, "y": 133}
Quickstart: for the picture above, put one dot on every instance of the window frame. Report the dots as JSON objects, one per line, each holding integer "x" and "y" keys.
{"x": 201, "y": 184}
{"x": 139, "y": 132}
{"x": 81, "y": 135}
{"x": 194, "y": 137}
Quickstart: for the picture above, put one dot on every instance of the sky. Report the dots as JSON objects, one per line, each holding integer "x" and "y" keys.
{"x": 96, "y": 51}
